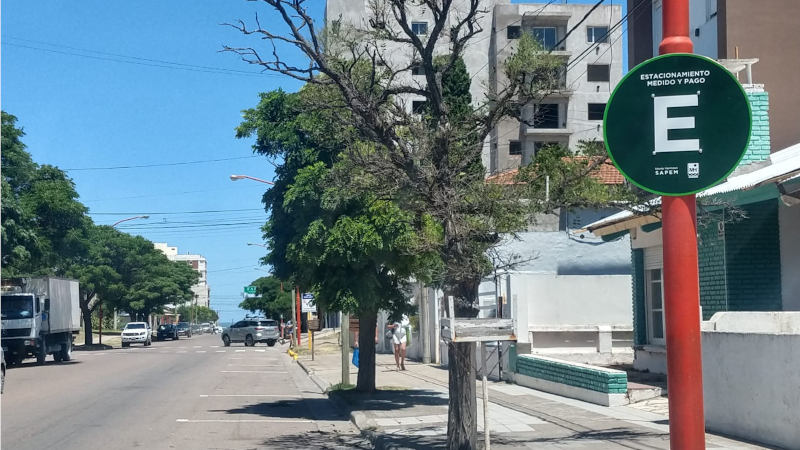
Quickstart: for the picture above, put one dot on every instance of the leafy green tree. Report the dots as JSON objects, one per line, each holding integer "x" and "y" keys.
{"x": 42, "y": 219}
{"x": 355, "y": 250}
{"x": 271, "y": 299}
{"x": 196, "y": 314}
{"x": 127, "y": 273}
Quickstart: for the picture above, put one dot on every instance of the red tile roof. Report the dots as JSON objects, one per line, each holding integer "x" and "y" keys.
{"x": 605, "y": 173}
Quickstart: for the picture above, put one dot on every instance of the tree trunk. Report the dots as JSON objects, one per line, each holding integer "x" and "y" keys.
{"x": 87, "y": 324}
{"x": 367, "y": 321}
{"x": 462, "y": 415}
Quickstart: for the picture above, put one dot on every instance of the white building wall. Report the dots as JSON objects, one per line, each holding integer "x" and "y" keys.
{"x": 201, "y": 290}
{"x": 751, "y": 376}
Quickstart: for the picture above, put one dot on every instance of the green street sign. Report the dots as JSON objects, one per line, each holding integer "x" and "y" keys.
{"x": 249, "y": 289}
{"x": 677, "y": 124}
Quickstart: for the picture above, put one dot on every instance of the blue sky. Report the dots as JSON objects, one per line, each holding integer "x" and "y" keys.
{"x": 94, "y": 86}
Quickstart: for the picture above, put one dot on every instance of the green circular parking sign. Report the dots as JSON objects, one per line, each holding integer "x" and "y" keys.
{"x": 677, "y": 124}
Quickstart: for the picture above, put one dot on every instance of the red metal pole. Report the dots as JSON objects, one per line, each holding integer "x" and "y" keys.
{"x": 297, "y": 324}
{"x": 681, "y": 281}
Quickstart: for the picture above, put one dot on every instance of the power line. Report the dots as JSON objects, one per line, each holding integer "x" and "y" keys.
{"x": 179, "y": 163}
{"x": 136, "y": 60}
{"x": 208, "y": 211}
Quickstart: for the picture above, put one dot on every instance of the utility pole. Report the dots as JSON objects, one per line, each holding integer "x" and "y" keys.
{"x": 424, "y": 324}
{"x": 345, "y": 336}
{"x": 681, "y": 285}
{"x": 297, "y": 315}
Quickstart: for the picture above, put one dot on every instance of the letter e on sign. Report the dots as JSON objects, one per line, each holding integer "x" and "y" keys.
{"x": 662, "y": 124}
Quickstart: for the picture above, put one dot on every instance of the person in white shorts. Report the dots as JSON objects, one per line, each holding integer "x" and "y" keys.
{"x": 399, "y": 343}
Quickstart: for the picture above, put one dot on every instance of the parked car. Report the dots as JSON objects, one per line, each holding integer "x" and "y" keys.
{"x": 137, "y": 332}
{"x": 167, "y": 331}
{"x": 206, "y": 327}
{"x": 251, "y": 331}
{"x": 184, "y": 329}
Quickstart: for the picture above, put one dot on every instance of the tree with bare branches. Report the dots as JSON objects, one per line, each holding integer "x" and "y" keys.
{"x": 427, "y": 159}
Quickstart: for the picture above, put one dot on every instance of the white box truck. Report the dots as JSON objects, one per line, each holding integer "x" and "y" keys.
{"x": 40, "y": 317}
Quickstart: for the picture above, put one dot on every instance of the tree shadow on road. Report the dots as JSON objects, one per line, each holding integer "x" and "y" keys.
{"x": 318, "y": 439}
{"x": 308, "y": 408}
{"x": 389, "y": 400}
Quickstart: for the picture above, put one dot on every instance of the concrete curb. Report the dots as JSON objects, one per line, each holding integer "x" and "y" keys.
{"x": 321, "y": 384}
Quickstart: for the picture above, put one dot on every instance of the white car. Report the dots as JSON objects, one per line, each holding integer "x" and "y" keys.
{"x": 137, "y": 332}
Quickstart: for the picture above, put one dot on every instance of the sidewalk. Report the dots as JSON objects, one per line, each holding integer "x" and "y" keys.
{"x": 410, "y": 411}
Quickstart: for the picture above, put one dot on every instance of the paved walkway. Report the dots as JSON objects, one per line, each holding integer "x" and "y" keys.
{"x": 410, "y": 411}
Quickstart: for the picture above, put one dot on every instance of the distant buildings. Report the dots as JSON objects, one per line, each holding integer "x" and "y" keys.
{"x": 202, "y": 292}
{"x": 586, "y": 40}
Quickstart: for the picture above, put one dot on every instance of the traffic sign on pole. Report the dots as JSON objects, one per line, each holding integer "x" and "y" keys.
{"x": 308, "y": 306}
{"x": 677, "y": 124}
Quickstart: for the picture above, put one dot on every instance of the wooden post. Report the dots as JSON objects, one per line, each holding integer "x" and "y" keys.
{"x": 485, "y": 389}
{"x": 486, "y": 437}
{"x": 345, "y": 336}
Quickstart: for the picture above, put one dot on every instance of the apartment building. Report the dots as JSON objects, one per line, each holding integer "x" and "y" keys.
{"x": 591, "y": 50}
{"x": 759, "y": 40}
{"x": 585, "y": 38}
{"x": 202, "y": 292}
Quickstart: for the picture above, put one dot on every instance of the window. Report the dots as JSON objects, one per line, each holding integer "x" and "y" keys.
{"x": 418, "y": 106}
{"x": 598, "y": 72}
{"x": 654, "y": 297}
{"x": 419, "y": 28}
{"x": 513, "y": 32}
{"x": 597, "y": 34}
{"x": 546, "y": 36}
{"x": 596, "y": 111}
{"x": 546, "y": 116}
{"x": 514, "y": 147}
{"x": 417, "y": 68}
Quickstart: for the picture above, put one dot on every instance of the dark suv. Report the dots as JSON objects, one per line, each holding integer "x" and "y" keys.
{"x": 184, "y": 329}
{"x": 251, "y": 331}
{"x": 167, "y": 331}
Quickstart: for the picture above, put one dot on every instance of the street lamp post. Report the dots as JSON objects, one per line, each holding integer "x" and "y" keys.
{"x": 129, "y": 218}
{"x": 241, "y": 177}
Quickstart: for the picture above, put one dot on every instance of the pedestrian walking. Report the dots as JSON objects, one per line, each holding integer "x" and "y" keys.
{"x": 398, "y": 333}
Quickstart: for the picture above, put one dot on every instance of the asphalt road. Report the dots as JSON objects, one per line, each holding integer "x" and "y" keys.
{"x": 187, "y": 394}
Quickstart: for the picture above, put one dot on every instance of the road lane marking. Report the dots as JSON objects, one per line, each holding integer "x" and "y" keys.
{"x": 243, "y": 421}
{"x": 253, "y": 365}
{"x": 198, "y": 346}
{"x": 215, "y": 346}
{"x": 199, "y": 351}
{"x": 251, "y": 395}
{"x": 259, "y": 350}
{"x": 252, "y": 371}
{"x": 220, "y": 351}
{"x": 239, "y": 351}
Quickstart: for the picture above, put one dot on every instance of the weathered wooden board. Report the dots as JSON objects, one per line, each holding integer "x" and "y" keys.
{"x": 477, "y": 330}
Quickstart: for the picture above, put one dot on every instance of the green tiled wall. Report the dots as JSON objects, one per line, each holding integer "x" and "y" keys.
{"x": 752, "y": 252}
{"x": 639, "y": 314}
{"x": 759, "y": 147}
{"x": 573, "y": 375}
{"x": 711, "y": 259}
